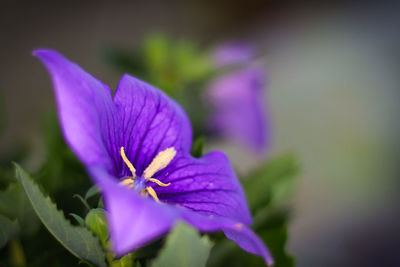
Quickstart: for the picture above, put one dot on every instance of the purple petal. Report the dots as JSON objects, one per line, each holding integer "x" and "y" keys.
{"x": 207, "y": 185}
{"x": 134, "y": 220}
{"x": 85, "y": 108}
{"x": 238, "y": 110}
{"x": 151, "y": 122}
{"x": 233, "y": 53}
{"x": 237, "y": 232}
{"x": 250, "y": 242}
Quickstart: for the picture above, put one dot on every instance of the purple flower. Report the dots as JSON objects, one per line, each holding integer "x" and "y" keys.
{"x": 237, "y": 97}
{"x": 136, "y": 148}
{"x": 233, "y": 53}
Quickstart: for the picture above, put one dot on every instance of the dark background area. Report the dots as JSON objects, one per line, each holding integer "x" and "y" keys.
{"x": 332, "y": 91}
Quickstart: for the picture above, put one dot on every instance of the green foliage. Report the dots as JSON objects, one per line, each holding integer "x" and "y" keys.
{"x": 156, "y": 52}
{"x": 271, "y": 184}
{"x": 166, "y": 63}
{"x": 7, "y": 176}
{"x": 78, "y": 219}
{"x": 198, "y": 147}
{"x": 94, "y": 190}
{"x": 15, "y": 205}
{"x": 82, "y": 200}
{"x": 61, "y": 173}
{"x": 276, "y": 238}
{"x": 184, "y": 247}
{"x": 125, "y": 261}
{"x": 78, "y": 240}
{"x": 96, "y": 222}
{"x": 172, "y": 65}
{"x": 8, "y": 230}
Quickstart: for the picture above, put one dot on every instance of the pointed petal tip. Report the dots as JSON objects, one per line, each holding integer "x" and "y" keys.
{"x": 48, "y": 57}
{"x": 41, "y": 52}
{"x": 269, "y": 262}
{"x": 36, "y": 52}
{"x": 129, "y": 79}
{"x": 127, "y": 76}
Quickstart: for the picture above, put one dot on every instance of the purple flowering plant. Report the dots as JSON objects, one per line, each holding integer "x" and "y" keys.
{"x": 136, "y": 147}
{"x": 237, "y": 97}
{"x": 155, "y": 198}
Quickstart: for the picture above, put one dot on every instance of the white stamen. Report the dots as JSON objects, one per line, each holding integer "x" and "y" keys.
{"x": 128, "y": 163}
{"x": 127, "y": 182}
{"x": 152, "y": 193}
{"x": 161, "y": 161}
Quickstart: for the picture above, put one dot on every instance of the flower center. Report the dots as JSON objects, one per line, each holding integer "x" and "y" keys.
{"x": 159, "y": 162}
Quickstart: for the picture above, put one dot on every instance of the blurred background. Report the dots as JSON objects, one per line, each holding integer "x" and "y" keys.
{"x": 332, "y": 94}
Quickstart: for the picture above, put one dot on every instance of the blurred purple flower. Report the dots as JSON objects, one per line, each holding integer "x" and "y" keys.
{"x": 233, "y": 53}
{"x": 237, "y": 97}
{"x": 136, "y": 148}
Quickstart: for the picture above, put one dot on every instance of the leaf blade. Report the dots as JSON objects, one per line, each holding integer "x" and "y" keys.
{"x": 8, "y": 230}
{"x": 271, "y": 183}
{"x": 78, "y": 240}
{"x": 15, "y": 205}
{"x": 184, "y": 247}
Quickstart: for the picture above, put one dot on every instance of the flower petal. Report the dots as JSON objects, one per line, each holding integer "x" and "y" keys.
{"x": 206, "y": 185}
{"x": 86, "y": 111}
{"x": 237, "y": 232}
{"x": 135, "y": 221}
{"x": 238, "y": 110}
{"x": 151, "y": 122}
{"x": 233, "y": 53}
{"x": 250, "y": 242}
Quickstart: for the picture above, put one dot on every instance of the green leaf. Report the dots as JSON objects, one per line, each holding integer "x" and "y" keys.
{"x": 276, "y": 238}
{"x": 272, "y": 183}
{"x": 192, "y": 63}
{"x": 78, "y": 240}
{"x": 16, "y": 206}
{"x": 96, "y": 221}
{"x": 94, "y": 190}
{"x": 82, "y": 200}
{"x": 126, "y": 261}
{"x": 197, "y": 147}
{"x": 156, "y": 47}
{"x": 100, "y": 203}
{"x": 78, "y": 219}
{"x": 184, "y": 247}
{"x": 60, "y": 164}
{"x": 8, "y": 230}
